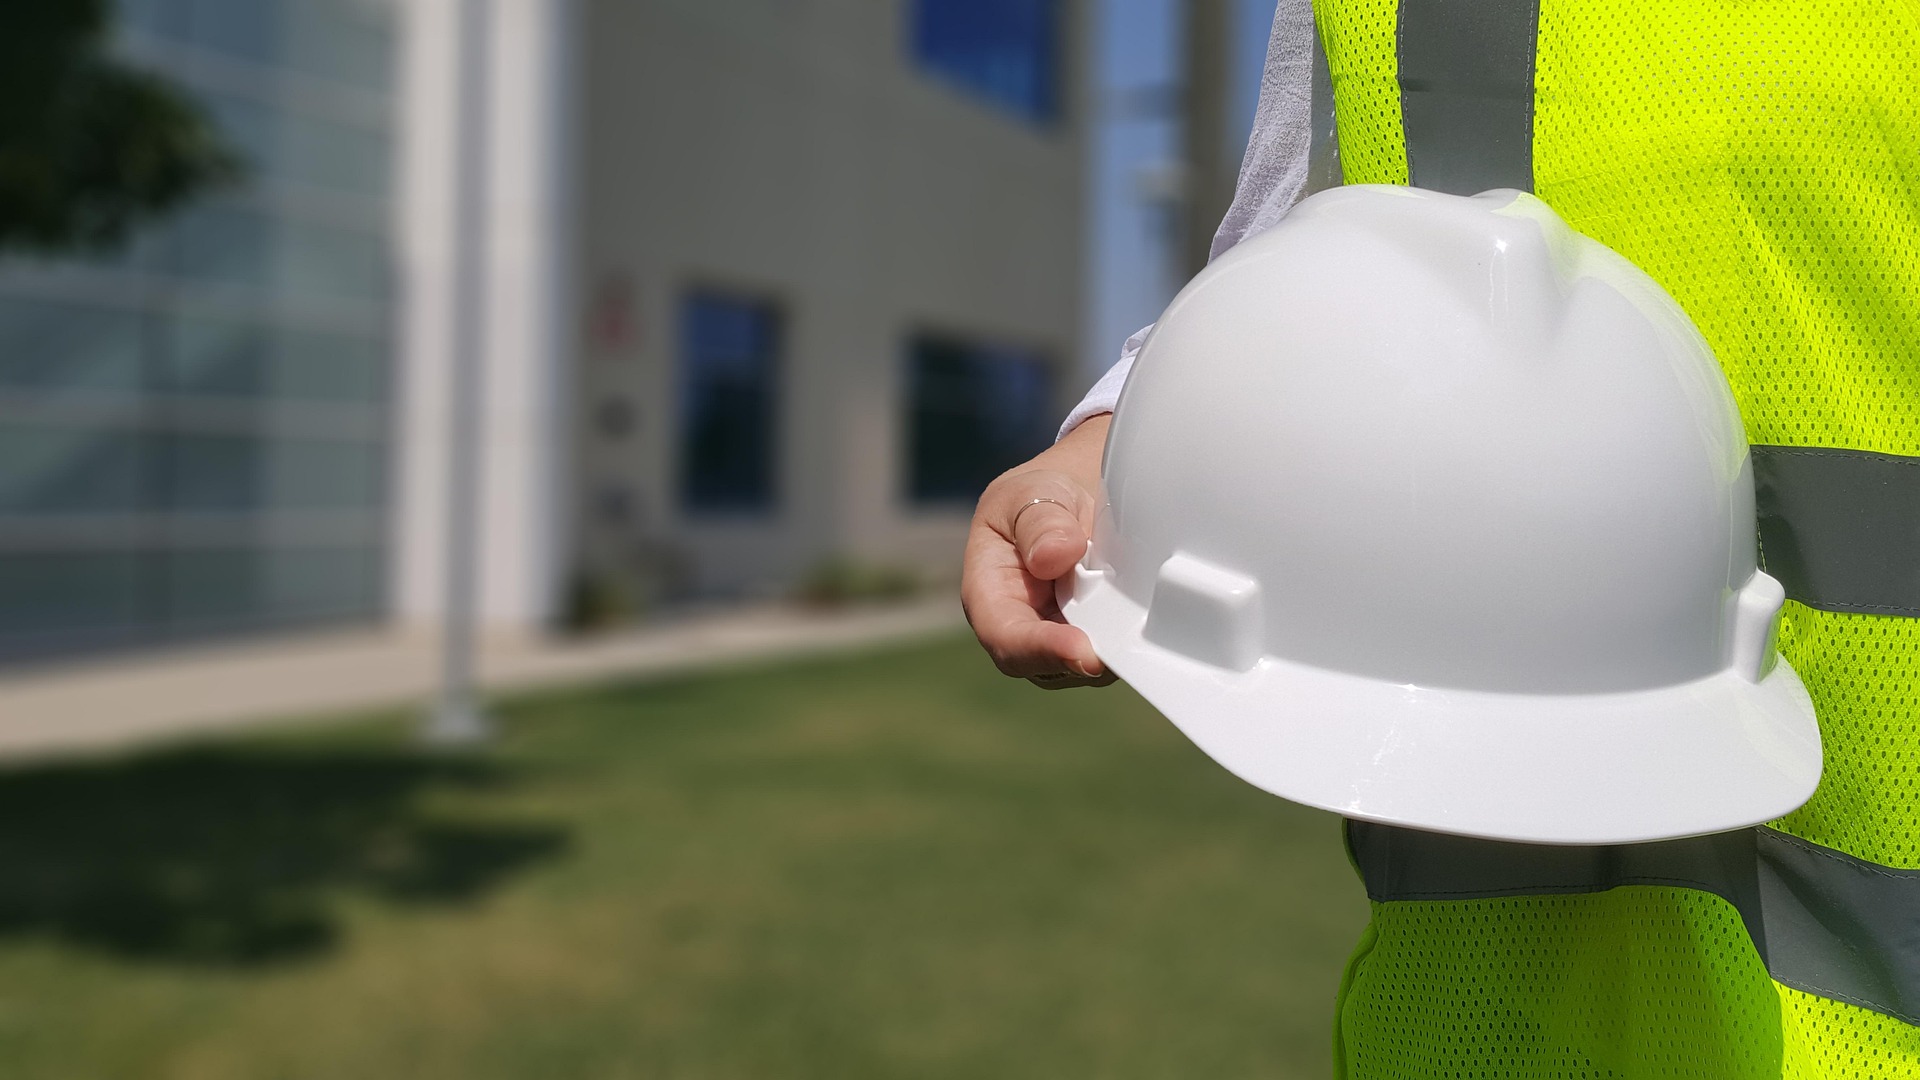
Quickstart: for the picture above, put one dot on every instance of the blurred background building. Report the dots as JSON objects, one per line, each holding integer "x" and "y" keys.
{"x": 832, "y": 255}
{"x": 758, "y": 293}
{"x": 726, "y": 304}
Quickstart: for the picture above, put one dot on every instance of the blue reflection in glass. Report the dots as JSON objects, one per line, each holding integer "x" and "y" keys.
{"x": 1005, "y": 50}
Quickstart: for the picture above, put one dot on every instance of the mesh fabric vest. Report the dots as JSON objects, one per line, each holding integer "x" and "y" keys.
{"x": 1761, "y": 160}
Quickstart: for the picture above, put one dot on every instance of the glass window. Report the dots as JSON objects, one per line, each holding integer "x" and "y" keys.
{"x": 345, "y": 41}
{"x": 215, "y": 588}
{"x": 230, "y": 473}
{"x": 50, "y": 346}
{"x": 1007, "y": 51}
{"x": 242, "y": 29}
{"x": 106, "y": 506}
{"x": 728, "y": 403}
{"x": 223, "y": 357}
{"x": 974, "y": 411}
{"x": 245, "y": 248}
{"x": 67, "y": 593}
{"x": 327, "y": 260}
{"x": 79, "y": 469}
{"x": 223, "y": 245}
{"x": 71, "y": 601}
{"x": 344, "y": 366}
{"x": 150, "y": 16}
{"x": 281, "y": 146}
{"x": 349, "y": 41}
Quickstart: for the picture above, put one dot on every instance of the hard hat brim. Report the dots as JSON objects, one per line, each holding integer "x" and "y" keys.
{"x": 1701, "y": 757}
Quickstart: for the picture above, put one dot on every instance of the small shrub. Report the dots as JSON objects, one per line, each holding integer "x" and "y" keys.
{"x": 839, "y": 580}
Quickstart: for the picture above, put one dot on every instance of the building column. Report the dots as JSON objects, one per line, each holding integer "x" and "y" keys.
{"x": 523, "y": 311}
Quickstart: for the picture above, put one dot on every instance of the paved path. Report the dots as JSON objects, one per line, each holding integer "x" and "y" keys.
{"x": 109, "y": 704}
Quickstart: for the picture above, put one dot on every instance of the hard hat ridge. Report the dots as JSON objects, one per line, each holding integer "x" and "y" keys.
{"x": 1514, "y": 267}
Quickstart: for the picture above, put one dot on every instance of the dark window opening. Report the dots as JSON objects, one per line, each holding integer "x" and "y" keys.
{"x": 974, "y": 412}
{"x": 1007, "y": 51}
{"x": 728, "y": 399}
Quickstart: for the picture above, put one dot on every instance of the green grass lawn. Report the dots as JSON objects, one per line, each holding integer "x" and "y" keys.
{"x": 893, "y": 865}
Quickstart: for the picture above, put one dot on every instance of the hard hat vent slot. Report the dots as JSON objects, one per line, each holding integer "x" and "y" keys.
{"x": 1206, "y": 612}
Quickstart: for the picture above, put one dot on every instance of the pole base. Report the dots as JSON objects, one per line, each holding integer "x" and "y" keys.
{"x": 456, "y": 722}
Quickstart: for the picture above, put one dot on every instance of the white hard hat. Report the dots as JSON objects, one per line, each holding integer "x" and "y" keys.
{"x": 1429, "y": 510}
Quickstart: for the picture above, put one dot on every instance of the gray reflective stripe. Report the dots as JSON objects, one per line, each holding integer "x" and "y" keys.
{"x": 1323, "y": 148}
{"x": 1407, "y": 864}
{"x": 1841, "y": 528}
{"x": 1823, "y": 921}
{"x": 1841, "y": 927}
{"x": 1466, "y": 93}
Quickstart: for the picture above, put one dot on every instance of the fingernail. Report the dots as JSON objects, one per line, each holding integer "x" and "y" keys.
{"x": 1037, "y": 541}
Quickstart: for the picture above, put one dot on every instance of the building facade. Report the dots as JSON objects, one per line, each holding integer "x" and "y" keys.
{"x": 194, "y": 431}
{"x": 833, "y": 274}
{"x": 744, "y": 286}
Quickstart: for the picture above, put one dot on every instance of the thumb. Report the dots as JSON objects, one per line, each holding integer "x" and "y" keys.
{"x": 1049, "y": 537}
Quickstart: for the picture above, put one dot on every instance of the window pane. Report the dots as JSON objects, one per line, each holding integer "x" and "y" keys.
{"x": 49, "y": 345}
{"x": 65, "y": 593}
{"x": 1005, "y": 50}
{"x": 728, "y": 403}
{"x": 344, "y": 41}
{"x": 245, "y": 586}
{"x": 322, "y": 259}
{"x": 282, "y": 146}
{"x": 223, "y": 245}
{"x": 210, "y": 356}
{"x": 975, "y": 411}
{"x": 226, "y": 473}
{"x": 163, "y": 17}
{"x": 349, "y": 41}
{"x": 344, "y": 366}
{"x": 244, "y": 248}
{"x": 66, "y": 469}
{"x": 241, "y": 29}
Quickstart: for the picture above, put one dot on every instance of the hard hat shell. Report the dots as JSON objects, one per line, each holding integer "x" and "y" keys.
{"x": 1429, "y": 510}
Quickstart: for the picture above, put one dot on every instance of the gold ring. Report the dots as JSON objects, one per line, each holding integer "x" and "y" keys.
{"x": 1031, "y": 503}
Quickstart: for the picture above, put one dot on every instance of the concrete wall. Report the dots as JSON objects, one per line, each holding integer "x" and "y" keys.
{"x": 791, "y": 149}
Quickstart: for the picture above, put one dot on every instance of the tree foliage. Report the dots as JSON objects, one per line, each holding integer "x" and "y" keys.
{"x": 90, "y": 146}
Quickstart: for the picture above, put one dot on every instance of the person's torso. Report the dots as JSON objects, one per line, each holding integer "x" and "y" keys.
{"x": 1761, "y": 160}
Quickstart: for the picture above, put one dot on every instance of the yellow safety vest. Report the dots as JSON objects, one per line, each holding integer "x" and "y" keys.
{"x": 1761, "y": 159}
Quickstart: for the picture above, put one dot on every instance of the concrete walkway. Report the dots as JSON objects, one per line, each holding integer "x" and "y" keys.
{"x": 110, "y": 704}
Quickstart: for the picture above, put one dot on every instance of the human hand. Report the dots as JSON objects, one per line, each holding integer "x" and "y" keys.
{"x": 1030, "y": 528}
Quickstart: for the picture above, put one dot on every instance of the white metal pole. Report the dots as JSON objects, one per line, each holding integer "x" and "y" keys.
{"x": 458, "y": 716}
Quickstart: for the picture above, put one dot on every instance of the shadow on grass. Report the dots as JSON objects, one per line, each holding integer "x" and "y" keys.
{"x": 239, "y": 856}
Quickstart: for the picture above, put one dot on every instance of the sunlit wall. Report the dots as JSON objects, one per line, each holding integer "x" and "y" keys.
{"x": 832, "y": 259}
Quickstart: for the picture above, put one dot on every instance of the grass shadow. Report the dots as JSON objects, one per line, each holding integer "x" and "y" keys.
{"x": 240, "y": 855}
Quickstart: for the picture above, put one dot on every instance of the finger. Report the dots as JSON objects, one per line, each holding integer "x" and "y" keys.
{"x": 1021, "y": 642}
{"x": 1046, "y": 516}
{"x": 1068, "y": 682}
{"x": 1033, "y": 646}
{"x": 1012, "y": 610}
{"x": 1049, "y": 538}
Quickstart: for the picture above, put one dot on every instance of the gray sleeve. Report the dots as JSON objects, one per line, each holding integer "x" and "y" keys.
{"x": 1274, "y": 172}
